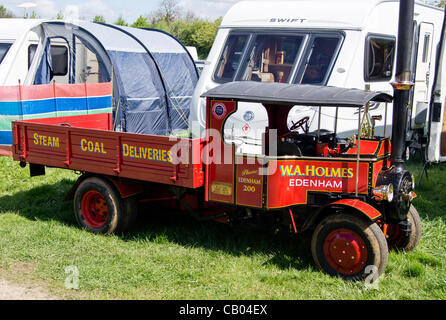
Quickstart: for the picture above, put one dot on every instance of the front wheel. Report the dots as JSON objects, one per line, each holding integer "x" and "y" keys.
{"x": 398, "y": 239}
{"x": 349, "y": 246}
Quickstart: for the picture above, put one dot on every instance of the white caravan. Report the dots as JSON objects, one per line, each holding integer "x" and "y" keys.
{"x": 13, "y": 59}
{"x": 436, "y": 125}
{"x": 343, "y": 43}
{"x": 18, "y": 44}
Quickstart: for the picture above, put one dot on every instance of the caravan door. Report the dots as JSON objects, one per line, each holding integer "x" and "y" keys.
{"x": 421, "y": 93}
{"x": 436, "y": 151}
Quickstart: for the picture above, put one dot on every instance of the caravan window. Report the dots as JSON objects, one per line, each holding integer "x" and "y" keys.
{"x": 4, "y": 47}
{"x": 379, "y": 57}
{"x": 87, "y": 69}
{"x": 270, "y": 58}
{"x": 320, "y": 58}
{"x": 427, "y": 37}
{"x": 278, "y": 57}
{"x": 59, "y": 58}
{"x": 230, "y": 59}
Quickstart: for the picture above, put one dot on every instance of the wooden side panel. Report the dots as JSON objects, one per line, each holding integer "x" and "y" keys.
{"x": 295, "y": 178}
{"x": 127, "y": 155}
{"x": 249, "y": 182}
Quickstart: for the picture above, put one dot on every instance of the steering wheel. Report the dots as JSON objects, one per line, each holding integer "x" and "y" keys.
{"x": 302, "y": 123}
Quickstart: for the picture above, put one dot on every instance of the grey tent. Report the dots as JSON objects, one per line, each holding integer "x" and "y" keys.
{"x": 153, "y": 74}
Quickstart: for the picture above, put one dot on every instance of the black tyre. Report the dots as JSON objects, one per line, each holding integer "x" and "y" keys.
{"x": 130, "y": 213}
{"x": 349, "y": 246}
{"x": 398, "y": 240}
{"x": 99, "y": 208}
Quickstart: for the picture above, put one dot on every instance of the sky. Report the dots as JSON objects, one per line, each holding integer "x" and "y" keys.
{"x": 113, "y": 9}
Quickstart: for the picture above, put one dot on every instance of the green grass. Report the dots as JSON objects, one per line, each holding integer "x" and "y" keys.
{"x": 175, "y": 257}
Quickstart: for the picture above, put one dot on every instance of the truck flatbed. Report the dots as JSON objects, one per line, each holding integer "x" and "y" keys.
{"x": 87, "y": 143}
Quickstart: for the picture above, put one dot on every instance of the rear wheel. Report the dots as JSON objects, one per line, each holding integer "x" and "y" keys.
{"x": 398, "y": 239}
{"x": 349, "y": 246}
{"x": 130, "y": 212}
{"x": 99, "y": 208}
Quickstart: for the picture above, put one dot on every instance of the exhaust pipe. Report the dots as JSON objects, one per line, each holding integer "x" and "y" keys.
{"x": 403, "y": 83}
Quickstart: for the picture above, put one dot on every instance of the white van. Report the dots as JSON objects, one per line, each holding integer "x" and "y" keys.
{"x": 343, "y": 43}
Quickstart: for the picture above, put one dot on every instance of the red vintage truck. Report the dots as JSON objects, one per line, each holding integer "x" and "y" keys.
{"x": 347, "y": 192}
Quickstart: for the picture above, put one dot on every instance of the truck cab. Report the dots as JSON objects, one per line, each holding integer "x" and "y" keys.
{"x": 314, "y": 181}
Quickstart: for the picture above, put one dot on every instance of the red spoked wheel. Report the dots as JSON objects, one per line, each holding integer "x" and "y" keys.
{"x": 345, "y": 251}
{"x": 346, "y": 244}
{"x": 94, "y": 209}
{"x": 99, "y": 208}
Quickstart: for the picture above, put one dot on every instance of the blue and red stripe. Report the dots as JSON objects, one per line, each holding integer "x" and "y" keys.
{"x": 50, "y": 100}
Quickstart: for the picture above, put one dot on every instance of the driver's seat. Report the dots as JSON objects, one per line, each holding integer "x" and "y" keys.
{"x": 285, "y": 148}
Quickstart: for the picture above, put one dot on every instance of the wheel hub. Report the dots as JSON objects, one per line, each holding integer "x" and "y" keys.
{"x": 345, "y": 251}
{"x": 94, "y": 209}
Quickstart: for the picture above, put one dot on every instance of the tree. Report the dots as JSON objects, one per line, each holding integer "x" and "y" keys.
{"x": 186, "y": 27}
{"x": 189, "y": 17}
{"x": 141, "y": 22}
{"x": 5, "y": 13}
{"x": 121, "y": 22}
{"x": 99, "y": 19}
{"x": 199, "y": 34}
{"x": 168, "y": 11}
{"x": 59, "y": 15}
{"x": 440, "y": 3}
{"x": 33, "y": 15}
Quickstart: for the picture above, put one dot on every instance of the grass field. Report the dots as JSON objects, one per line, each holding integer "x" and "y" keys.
{"x": 174, "y": 257}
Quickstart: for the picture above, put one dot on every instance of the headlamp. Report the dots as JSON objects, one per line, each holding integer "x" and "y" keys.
{"x": 384, "y": 192}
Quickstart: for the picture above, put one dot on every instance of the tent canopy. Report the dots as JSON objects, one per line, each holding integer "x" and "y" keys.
{"x": 153, "y": 74}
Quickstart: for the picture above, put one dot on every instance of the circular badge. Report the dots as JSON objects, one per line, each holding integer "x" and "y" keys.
{"x": 248, "y": 116}
{"x": 219, "y": 111}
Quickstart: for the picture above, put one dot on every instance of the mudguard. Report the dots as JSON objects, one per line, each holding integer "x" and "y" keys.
{"x": 125, "y": 187}
{"x": 361, "y": 206}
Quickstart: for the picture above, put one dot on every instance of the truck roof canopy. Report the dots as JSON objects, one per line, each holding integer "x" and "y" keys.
{"x": 295, "y": 94}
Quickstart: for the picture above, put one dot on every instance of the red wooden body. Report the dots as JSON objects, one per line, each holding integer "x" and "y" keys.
{"x": 254, "y": 181}
{"x": 86, "y": 143}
